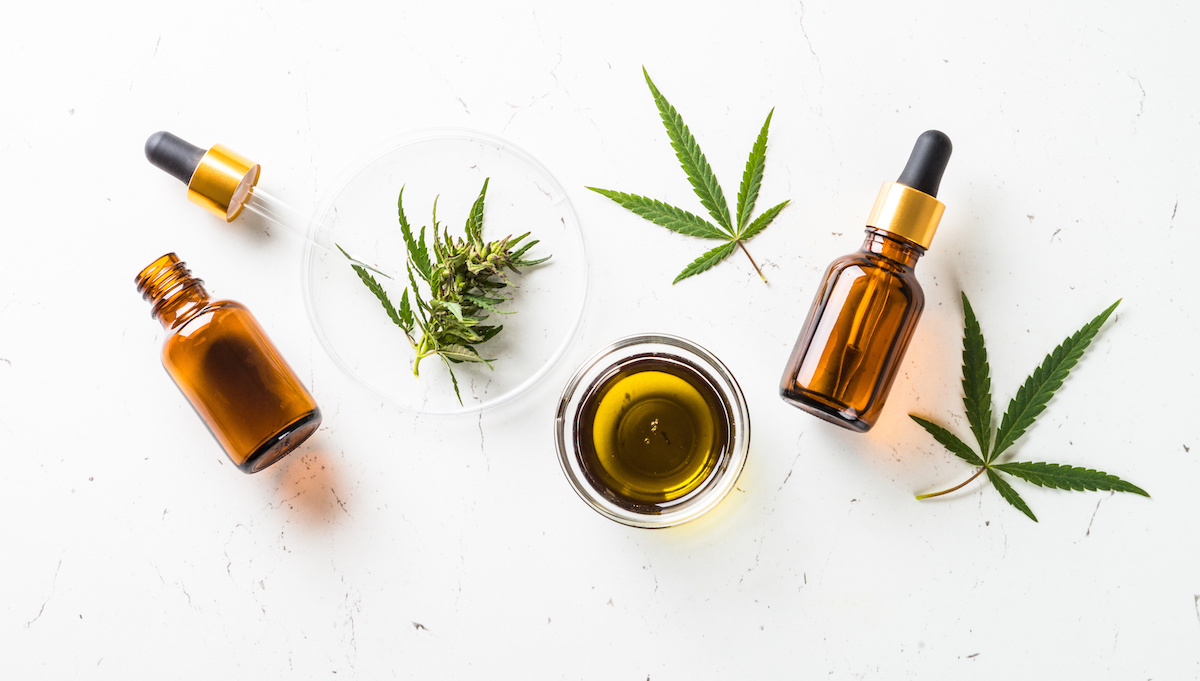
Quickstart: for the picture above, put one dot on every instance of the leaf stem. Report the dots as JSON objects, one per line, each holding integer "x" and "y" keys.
{"x": 743, "y": 246}
{"x": 952, "y": 489}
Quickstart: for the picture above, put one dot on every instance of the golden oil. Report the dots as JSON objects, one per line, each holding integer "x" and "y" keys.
{"x": 651, "y": 432}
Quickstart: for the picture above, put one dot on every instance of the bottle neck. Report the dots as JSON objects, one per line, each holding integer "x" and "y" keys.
{"x": 173, "y": 293}
{"x": 895, "y": 248}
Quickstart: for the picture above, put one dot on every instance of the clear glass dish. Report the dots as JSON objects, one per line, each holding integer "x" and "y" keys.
{"x": 448, "y": 165}
{"x": 633, "y": 351}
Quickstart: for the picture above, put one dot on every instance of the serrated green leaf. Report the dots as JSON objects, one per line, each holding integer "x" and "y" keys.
{"x": 486, "y": 302}
{"x": 355, "y": 261}
{"x": 488, "y": 332}
{"x": 752, "y": 176}
{"x": 463, "y": 334}
{"x": 1060, "y": 476}
{"x": 527, "y": 263}
{"x": 422, "y": 306}
{"x": 976, "y": 381}
{"x": 461, "y": 353}
{"x": 474, "y": 228}
{"x": 699, "y": 174}
{"x": 454, "y": 308}
{"x": 1010, "y": 495}
{"x": 706, "y": 261}
{"x": 397, "y": 317}
{"x": 949, "y": 440}
{"x": 1031, "y": 398}
{"x": 406, "y": 313}
{"x": 453, "y": 380}
{"x": 664, "y": 215}
{"x": 516, "y": 255}
{"x": 418, "y": 252}
{"x": 487, "y": 284}
{"x": 760, "y": 223}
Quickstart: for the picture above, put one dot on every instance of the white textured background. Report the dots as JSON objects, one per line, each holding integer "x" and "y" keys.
{"x": 400, "y": 546}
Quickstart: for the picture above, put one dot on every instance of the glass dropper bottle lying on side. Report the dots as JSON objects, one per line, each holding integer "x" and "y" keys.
{"x": 227, "y": 368}
{"x": 868, "y": 304}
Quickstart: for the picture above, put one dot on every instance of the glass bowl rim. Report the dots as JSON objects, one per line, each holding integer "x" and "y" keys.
{"x": 605, "y": 359}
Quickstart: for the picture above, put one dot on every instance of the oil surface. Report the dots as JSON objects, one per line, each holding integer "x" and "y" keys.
{"x": 651, "y": 433}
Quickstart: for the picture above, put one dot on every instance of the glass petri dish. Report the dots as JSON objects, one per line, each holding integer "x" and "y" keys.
{"x": 448, "y": 166}
{"x": 605, "y": 369}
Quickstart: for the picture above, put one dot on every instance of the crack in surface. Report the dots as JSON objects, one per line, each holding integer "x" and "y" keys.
{"x": 53, "y": 586}
{"x": 808, "y": 41}
{"x": 789, "y": 473}
{"x": 339, "y": 501}
{"x": 757, "y": 557}
{"x": 517, "y": 108}
{"x": 1142, "y": 101}
{"x": 1089, "y": 529}
{"x": 482, "y": 449}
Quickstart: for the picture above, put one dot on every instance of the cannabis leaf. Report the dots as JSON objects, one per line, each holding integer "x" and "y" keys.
{"x": 402, "y": 318}
{"x": 705, "y": 184}
{"x": 463, "y": 277}
{"x": 1030, "y": 401}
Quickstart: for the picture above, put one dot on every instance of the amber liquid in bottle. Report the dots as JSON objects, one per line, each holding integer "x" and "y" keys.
{"x": 228, "y": 369}
{"x": 867, "y": 306}
{"x": 861, "y": 322}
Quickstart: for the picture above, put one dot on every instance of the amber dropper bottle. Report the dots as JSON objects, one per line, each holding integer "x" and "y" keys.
{"x": 229, "y": 370}
{"x": 867, "y": 306}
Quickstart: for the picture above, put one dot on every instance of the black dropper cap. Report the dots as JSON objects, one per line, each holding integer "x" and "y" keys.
{"x": 178, "y": 157}
{"x": 927, "y": 162}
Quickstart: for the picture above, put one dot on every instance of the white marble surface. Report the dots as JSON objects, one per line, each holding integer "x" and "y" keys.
{"x": 400, "y": 546}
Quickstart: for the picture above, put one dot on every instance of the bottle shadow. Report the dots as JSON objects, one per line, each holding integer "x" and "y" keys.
{"x": 307, "y": 485}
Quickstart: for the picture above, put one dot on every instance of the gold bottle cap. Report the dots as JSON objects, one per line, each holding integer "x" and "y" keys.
{"x": 219, "y": 179}
{"x": 906, "y": 212}
{"x": 222, "y": 182}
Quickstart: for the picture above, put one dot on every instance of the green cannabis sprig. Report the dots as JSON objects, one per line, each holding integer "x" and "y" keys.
{"x": 1030, "y": 401}
{"x": 464, "y": 278}
{"x": 700, "y": 175}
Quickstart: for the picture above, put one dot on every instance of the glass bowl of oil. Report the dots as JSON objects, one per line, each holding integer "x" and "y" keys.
{"x": 652, "y": 431}
{"x": 441, "y": 172}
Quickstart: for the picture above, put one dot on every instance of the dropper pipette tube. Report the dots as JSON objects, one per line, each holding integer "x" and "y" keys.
{"x": 279, "y": 213}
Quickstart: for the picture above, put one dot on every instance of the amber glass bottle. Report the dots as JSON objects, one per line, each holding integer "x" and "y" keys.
{"x": 229, "y": 370}
{"x": 866, "y": 309}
